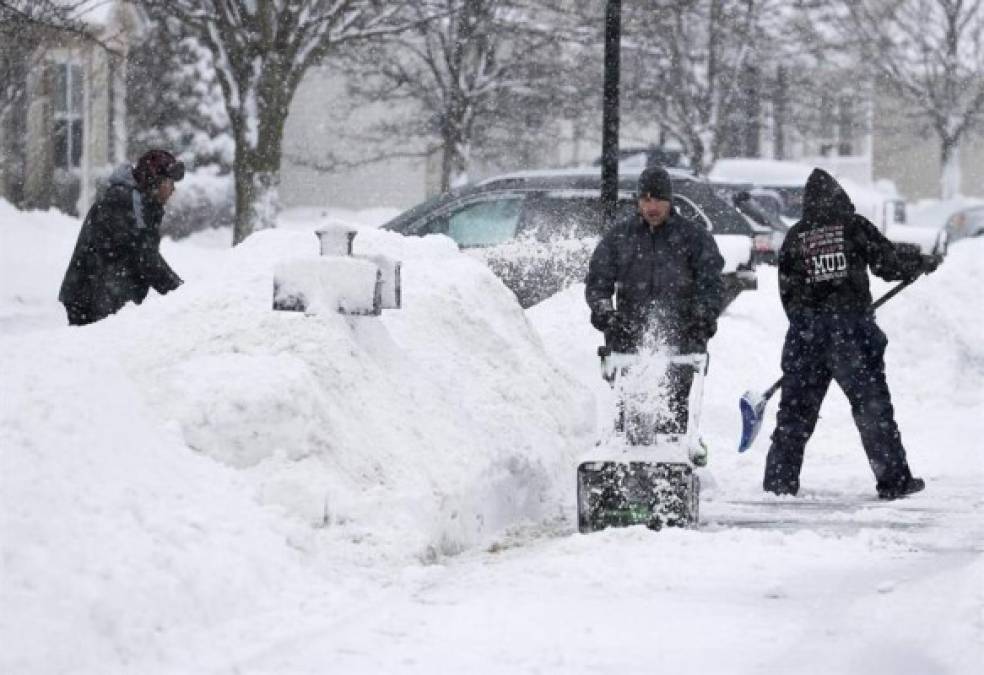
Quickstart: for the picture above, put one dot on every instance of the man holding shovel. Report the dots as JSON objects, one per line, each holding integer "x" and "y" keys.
{"x": 823, "y": 284}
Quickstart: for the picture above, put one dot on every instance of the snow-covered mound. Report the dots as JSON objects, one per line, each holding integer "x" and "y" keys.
{"x": 35, "y": 247}
{"x": 191, "y": 456}
{"x": 200, "y": 484}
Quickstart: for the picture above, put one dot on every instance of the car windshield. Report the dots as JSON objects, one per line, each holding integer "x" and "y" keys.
{"x": 724, "y": 218}
{"x": 553, "y": 217}
{"x": 754, "y": 209}
{"x": 408, "y": 218}
{"x": 792, "y": 198}
{"x": 485, "y": 223}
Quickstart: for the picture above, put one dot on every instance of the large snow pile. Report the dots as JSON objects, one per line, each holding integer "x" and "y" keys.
{"x": 182, "y": 462}
{"x": 35, "y": 247}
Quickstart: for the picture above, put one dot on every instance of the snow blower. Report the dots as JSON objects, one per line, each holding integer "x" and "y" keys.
{"x": 642, "y": 476}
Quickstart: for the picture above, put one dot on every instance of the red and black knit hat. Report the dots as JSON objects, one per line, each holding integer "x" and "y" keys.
{"x": 155, "y": 165}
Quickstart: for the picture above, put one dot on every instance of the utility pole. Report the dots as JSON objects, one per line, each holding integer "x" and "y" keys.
{"x": 610, "y": 115}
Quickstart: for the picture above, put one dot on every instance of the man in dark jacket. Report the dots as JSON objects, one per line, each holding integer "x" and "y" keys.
{"x": 117, "y": 255}
{"x": 823, "y": 284}
{"x": 665, "y": 273}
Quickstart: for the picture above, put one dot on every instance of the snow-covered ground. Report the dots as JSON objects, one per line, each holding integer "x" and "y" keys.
{"x": 202, "y": 485}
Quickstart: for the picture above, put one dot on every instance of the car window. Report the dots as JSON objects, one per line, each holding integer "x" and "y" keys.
{"x": 485, "y": 223}
{"x": 792, "y": 201}
{"x": 548, "y": 218}
{"x": 724, "y": 217}
{"x": 770, "y": 203}
{"x": 687, "y": 209}
{"x": 414, "y": 221}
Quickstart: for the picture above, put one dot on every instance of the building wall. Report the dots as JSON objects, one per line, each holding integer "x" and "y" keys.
{"x": 103, "y": 122}
{"x": 96, "y": 143}
{"x": 910, "y": 157}
{"x": 39, "y": 155}
{"x": 320, "y": 124}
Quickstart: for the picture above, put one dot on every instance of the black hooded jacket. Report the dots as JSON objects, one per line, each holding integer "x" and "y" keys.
{"x": 824, "y": 260}
{"x": 667, "y": 281}
{"x": 117, "y": 257}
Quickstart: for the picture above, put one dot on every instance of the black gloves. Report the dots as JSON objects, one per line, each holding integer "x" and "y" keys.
{"x": 608, "y": 322}
{"x": 600, "y": 320}
{"x": 617, "y": 329}
{"x": 922, "y": 264}
{"x": 704, "y": 329}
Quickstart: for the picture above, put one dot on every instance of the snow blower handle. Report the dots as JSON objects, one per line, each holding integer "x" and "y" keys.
{"x": 752, "y": 405}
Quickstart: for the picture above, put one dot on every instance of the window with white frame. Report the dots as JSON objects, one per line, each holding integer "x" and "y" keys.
{"x": 68, "y": 115}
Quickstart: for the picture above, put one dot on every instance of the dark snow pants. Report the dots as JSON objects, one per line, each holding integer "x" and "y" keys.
{"x": 848, "y": 349}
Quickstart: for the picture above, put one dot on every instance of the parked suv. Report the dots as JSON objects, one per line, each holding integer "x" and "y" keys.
{"x": 537, "y": 230}
{"x": 762, "y": 208}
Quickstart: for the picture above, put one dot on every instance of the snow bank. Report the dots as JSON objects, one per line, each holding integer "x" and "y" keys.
{"x": 188, "y": 461}
{"x": 35, "y": 247}
{"x": 200, "y": 484}
{"x": 735, "y": 249}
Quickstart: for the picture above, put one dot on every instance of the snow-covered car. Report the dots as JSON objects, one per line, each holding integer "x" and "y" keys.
{"x": 965, "y": 223}
{"x": 537, "y": 230}
{"x": 879, "y": 203}
{"x": 762, "y": 208}
{"x": 785, "y": 180}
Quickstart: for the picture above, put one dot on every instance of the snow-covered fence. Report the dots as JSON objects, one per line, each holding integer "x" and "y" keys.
{"x": 338, "y": 281}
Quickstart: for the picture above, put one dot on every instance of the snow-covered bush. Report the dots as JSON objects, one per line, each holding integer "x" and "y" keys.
{"x": 205, "y": 199}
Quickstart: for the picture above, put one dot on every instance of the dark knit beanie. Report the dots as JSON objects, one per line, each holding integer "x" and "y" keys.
{"x": 155, "y": 165}
{"x": 654, "y": 182}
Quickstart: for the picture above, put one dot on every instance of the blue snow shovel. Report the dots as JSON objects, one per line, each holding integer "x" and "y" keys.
{"x": 752, "y": 405}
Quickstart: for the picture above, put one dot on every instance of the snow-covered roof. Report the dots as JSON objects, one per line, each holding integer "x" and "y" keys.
{"x": 92, "y": 12}
{"x": 760, "y": 172}
{"x": 576, "y": 171}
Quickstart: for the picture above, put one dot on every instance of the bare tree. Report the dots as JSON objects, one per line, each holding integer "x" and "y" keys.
{"x": 262, "y": 49}
{"x": 929, "y": 55}
{"x": 472, "y": 74}
{"x": 700, "y": 69}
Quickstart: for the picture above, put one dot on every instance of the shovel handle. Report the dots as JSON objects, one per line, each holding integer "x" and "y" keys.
{"x": 892, "y": 293}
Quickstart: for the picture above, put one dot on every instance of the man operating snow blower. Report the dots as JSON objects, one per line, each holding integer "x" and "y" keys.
{"x": 665, "y": 275}
{"x": 823, "y": 284}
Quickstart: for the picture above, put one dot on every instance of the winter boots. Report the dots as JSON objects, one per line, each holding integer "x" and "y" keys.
{"x": 908, "y": 487}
